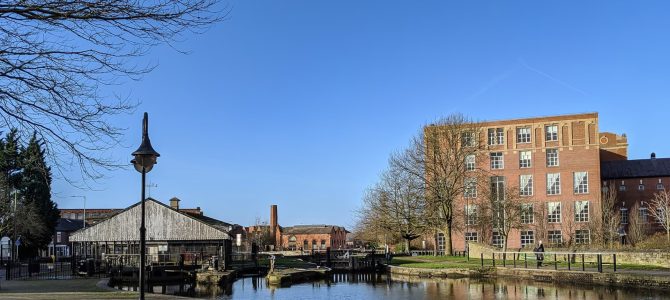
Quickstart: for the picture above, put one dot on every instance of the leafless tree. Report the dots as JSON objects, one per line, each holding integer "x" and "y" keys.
{"x": 659, "y": 208}
{"x": 507, "y": 210}
{"x": 397, "y": 204}
{"x": 437, "y": 157}
{"x": 638, "y": 228}
{"x": 605, "y": 222}
{"x": 57, "y": 56}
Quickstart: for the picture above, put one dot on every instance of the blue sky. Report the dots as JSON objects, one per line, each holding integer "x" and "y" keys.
{"x": 299, "y": 103}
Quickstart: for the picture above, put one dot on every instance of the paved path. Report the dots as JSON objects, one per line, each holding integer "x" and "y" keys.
{"x": 70, "y": 289}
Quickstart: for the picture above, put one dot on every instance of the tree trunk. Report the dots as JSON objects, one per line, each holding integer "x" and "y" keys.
{"x": 435, "y": 244}
{"x": 447, "y": 241}
{"x": 504, "y": 243}
{"x": 407, "y": 246}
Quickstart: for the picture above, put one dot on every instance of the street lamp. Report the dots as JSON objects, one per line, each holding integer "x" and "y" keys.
{"x": 145, "y": 158}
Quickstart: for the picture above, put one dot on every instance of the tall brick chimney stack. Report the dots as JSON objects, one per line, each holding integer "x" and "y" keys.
{"x": 174, "y": 203}
{"x": 273, "y": 224}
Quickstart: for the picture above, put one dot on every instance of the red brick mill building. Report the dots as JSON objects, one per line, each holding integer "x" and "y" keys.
{"x": 310, "y": 238}
{"x": 560, "y": 164}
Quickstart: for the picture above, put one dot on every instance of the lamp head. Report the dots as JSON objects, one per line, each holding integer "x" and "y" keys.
{"x": 145, "y": 155}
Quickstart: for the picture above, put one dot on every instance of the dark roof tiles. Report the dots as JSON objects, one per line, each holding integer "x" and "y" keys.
{"x": 637, "y": 168}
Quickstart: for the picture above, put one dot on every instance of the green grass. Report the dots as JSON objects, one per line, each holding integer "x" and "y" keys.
{"x": 458, "y": 262}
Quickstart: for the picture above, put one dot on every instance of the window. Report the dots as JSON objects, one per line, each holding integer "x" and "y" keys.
{"x": 291, "y": 242}
{"x": 581, "y": 211}
{"x": 497, "y": 239}
{"x": 640, "y": 187}
{"x": 582, "y": 236}
{"x": 551, "y": 132}
{"x": 314, "y": 245}
{"x": 644, "y": 215}
{"x": 659, "y": 186}
{"x": 497, "y": 186}
{"x": 555, "y": 237}
{"x": 527, "y": 238}
{"x": 471, "y": 237}
{"x": 526, "y": 185}
{"x": 323, "y": 244}
{"x": 527, "y": 213}
{"x": 305, "y": 245}
{"x": 523, "y": 135}
{"x": 468, "y": 139}
{"x": 624, "y": 215}
{"x": 524, "y": 159}
{"x": 581, "y": 182}
{"x": 470, "y": 188}
{"x": 471, "y": 214}
{"x": 440, "y": 242}
{"x": 59, "y": 237}
{"x": 554, "y": 209}
{"x": 622, "y": 188}
{"x": 497, "y": 160}
{"x": 470, "y": 162}
{"x": 552, "y": 157}
{"x": 496, "y": 136}
{"x": 554, "y": 184}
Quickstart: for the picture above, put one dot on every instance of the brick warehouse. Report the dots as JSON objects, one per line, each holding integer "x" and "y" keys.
{"x": 556, "y": 163}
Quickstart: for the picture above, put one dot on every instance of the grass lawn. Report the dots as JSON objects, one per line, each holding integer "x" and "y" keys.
{"x": 459, "y": 262}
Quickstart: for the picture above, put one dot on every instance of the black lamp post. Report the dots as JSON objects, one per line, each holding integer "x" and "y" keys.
{"x": 145, "y": 159}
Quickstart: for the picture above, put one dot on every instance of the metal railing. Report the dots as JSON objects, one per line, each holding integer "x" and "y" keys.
{"x": 571, "y": 261}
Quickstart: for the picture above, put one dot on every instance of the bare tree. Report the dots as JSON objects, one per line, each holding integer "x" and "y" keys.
{"x": 638, "y": 226}
{"x": 438, "y": 157}
{"x": 507, "y": 209}
{"x": 606, "y": 222}
{"x": 397, "y": 204}
{"x": 659, "y": 208}
{"x": 56, "y": 55}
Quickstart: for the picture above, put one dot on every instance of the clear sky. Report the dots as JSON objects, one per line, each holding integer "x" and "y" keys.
{"x": 299, "y": 103}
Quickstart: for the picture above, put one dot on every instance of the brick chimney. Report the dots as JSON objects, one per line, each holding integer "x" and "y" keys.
{"x": 174, "y": 203}
{"x": 273, "y": 224}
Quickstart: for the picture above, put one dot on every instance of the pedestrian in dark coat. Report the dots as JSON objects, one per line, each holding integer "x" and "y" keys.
{"x": 539, "y": 254}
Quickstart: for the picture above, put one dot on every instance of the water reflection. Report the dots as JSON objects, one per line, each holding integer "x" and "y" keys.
{"x": 383, "y": 286}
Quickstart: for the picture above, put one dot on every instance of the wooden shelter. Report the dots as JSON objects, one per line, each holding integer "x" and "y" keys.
{"x": 172, "y": 235}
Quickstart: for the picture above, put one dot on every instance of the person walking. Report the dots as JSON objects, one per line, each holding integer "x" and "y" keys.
{"x": 539, "y": 254}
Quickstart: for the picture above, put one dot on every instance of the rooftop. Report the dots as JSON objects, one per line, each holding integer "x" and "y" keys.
{"x": 635, "y": 168}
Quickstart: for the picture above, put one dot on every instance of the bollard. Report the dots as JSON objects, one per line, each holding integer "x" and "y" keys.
{"x": 514, "y": 256}
{"x": 614, "y": 260}
{"x": 525, "y": 261}
{"x": 481, "y": 256}
{"x": 504, "y": 256}
{"x": 568, "y": 262}
{"x": 600, "y": 263}
{"x": 583, "y": 269}
{"x": 494, "y": 259}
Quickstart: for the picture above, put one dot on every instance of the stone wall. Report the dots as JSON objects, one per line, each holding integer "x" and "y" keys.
{"x": 655, "y": 258}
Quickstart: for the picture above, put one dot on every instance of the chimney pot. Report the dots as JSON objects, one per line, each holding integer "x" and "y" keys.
{"x": 174, "y": 203}
{"x": 653, "y": 155}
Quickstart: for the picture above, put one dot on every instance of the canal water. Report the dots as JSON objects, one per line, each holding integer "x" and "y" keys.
{"x": 383, "y": 286}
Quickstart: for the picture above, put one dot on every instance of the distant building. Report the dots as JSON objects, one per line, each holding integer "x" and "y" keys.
{"x": 95, "y": 215}
{"x": 636, "y": 181}
{"x": 171, "y": 232}
{"x": 60, "y": 242}
{"x": 299, "y": 237}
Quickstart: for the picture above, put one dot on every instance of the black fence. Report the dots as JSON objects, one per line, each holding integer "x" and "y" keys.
{"x": 46, "y": 268}
{"x": 571, "y": 261}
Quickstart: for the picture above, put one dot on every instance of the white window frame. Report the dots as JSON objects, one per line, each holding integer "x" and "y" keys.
{"x": 553, "y": 183}
{"x": 470, "y": 188}
{"x": 552, "y": 157}
{"x": 582, "y": 211}
{"x": 527, "y": 237}
{"x": 525, "y": 159}
{"x": 472, "y": 236}
{"x": 624, "y": 215}
{"x": 580, "y": 182}
{"x": 468, "y": 139}
{"x": 527, "y": 213}
{"x": 471, "y": 214}
{"x": 552, "y": 234}
{"x": 497, "y": 239}
{"x": 553, "y": 212}
{"x": 551, "y": 135}
{"x": 580, "y": 239}
{"x": 644, "y": 214}
{"x": 523, "y": 135}
{"x": 497, "y": 160}
{"x": 470, "y": 162}
{"x": 500, "y": 135}
{"x": 526, "y": 185}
